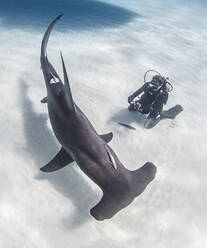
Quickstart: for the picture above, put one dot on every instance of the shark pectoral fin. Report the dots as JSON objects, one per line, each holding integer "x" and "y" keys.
{"x": 107, "y": 137}
{"x": 44, "y": 100}
{"x": 59, "y": 161}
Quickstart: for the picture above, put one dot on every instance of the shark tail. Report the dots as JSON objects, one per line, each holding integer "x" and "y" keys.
{"x": 46, "y": 37}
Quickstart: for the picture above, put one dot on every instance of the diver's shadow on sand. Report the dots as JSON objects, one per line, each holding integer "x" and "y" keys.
{"x": 41, "y": 145}
{"x": 128, "y": 117}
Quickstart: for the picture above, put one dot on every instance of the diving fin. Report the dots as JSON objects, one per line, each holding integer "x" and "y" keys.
{"x": 59, "y": 161}
{"x": 44, "y": 100}
{"x": 172, "y": 112}
{"x": 107, "y": 137}
{"x": 151, "y": 122}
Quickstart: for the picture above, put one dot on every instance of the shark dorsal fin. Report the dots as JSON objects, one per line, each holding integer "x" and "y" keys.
{"x": 67, "y": 89}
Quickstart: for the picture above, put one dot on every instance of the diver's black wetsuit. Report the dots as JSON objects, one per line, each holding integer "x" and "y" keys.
{"x": 152, "y": 96}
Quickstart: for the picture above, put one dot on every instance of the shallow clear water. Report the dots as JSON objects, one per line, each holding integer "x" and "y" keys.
{"x": 107, "y": 49}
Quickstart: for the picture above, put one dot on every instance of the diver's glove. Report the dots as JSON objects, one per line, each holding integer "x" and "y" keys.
{"x": 130, "y": 98}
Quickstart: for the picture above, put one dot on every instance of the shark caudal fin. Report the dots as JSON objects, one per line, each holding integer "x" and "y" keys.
{"x": 52, "y": 80}
{"x": 67, "y": 89}
{"x": 46, "y": 37}
{"x": 121, "y": 195}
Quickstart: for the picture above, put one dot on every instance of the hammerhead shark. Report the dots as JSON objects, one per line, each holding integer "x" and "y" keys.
{"x": 81, "y": 143}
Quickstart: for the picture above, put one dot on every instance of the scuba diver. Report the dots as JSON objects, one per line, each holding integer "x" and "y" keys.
{"x": 150, "y": 99}
{"x": 155, "y": 95}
